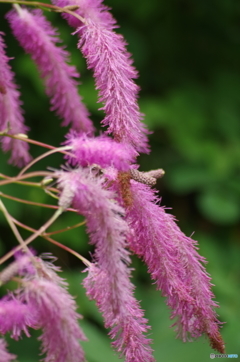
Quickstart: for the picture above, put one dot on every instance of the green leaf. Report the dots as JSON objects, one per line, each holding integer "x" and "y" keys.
{"x": 219, "y": 205}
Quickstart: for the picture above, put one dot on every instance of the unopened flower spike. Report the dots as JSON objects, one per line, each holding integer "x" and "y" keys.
{"x": 11, "y": 118}
{"x": 38, "y": 38}
{"x": 148, "y": 178}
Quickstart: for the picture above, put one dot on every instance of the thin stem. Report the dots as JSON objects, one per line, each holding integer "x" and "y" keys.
{"x": 48, "y": 6}
{"x": 25, "y": 183}
{"x": 22, "y": 137}
{"x": 35, "y": 160}
{"x": 45, "y": 236}
{"x": 13, "y": 227}
{"x": 23, "y": 177}
{"x": 25, "y": 138}
{"x": 32, "y": 203}
{"x": 35, "y": 235}
{"x": 66, "y": 229}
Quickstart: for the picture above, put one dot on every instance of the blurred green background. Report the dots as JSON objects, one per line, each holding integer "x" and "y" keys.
{"x": 188, "y": 56}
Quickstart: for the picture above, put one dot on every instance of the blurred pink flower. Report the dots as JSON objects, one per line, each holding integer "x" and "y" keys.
{"x": 57, "y": 317}
{"x": 11, "y": 118}
{"x": 4, "y": 355}
{"x": 39, "y": 39}
{"x": 16, "y": 317}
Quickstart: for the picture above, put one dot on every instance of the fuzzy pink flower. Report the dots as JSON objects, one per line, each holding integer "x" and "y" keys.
{"x": 106, "y": 54}
{"x": 57, "y": 317}
{"x": 4, "y": 355}
{"x": 11, "y": 113}
{"x": 175, "y": 265}
{"x": 102, "y": 151}
{"x": 39, "y": 39}
{"x": 20, "y": 316}
{"x": 108, "y": 283}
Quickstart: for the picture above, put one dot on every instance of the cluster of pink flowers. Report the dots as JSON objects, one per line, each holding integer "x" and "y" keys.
{"x": 102, "y": 182}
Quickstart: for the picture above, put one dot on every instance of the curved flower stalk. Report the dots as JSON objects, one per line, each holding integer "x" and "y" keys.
{"x": 175, "y": 265}
{"x": 11, "y": 119}
{"x": 4, "y": 355}
{"x": 36, "y": 35}
{"x": 108, "y": 282}
{"x": 88, "y": 9}
{"x": 101, "y": 151}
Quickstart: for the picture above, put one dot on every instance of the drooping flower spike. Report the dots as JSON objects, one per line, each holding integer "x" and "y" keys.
{"x": 11, "y": 118}
{"x": 57, "y": 317}
{"x": 108, "y": 281}
{"x": 175, "y": 266}
{"x": 106, "y": 54}
{"x": 42, "y": 302}
{"x": 38, "y": 38}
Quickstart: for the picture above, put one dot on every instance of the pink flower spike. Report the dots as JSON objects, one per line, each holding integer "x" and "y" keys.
{"x": 106, "y": 54}
{"x": 175, "y": 265}
{"x": 121, "y": 313}
{"x": 58, "y": 319}
{"x": 4, "y": 355}
{"x": 102, "y": 151}
{"x": 109, "y": 283}
{"x": 11, "y": 113}
{"x": 36, "y": 35}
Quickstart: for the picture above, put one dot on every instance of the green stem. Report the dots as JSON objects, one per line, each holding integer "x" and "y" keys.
{"x": 66, "y": 229}
{"x": 38, "y": 4}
